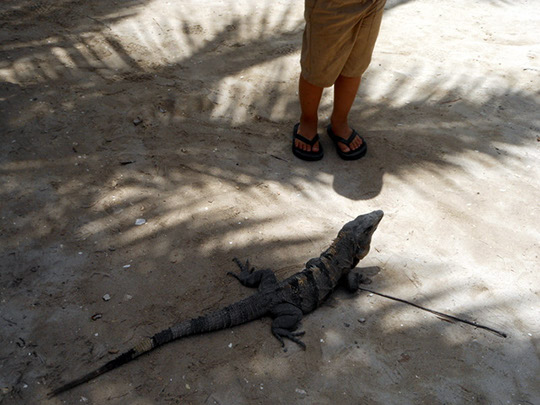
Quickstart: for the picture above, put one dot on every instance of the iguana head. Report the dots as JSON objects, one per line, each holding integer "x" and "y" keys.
{"x": 360, "y": 231}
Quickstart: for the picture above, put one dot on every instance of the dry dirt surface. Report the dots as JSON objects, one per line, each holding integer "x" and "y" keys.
{"x": 179, "y": 114}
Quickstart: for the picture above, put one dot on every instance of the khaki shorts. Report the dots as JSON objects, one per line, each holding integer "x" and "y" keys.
{"x": 339, "y": 38}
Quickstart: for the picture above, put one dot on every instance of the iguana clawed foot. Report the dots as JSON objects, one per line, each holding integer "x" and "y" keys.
{"x": 245, "y": 270}
{"x": 250, "y": 277}
{"x": 284, "y": 333}
{"x": 354, "y": 279}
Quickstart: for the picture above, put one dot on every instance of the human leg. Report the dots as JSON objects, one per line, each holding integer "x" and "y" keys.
{"x": 345, "y": 89}
{"x": 336, "y": 50}
{"x": 310, "y": 97}
{"x": 346, "y": 85}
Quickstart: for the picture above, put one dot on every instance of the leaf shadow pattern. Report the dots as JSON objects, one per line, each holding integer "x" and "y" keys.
{"x": 213, "y": 136}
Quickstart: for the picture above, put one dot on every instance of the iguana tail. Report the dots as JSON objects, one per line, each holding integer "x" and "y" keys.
{"x": 240, "y": 312}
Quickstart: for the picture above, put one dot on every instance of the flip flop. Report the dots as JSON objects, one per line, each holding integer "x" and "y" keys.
{"x": 304, "y": 154}
{"x": 352, "y": 154}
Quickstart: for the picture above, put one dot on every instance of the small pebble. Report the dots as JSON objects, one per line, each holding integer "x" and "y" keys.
{"x": 299, "y": 391}
{"x": 361, "y": 320}
{"x": 140, "y": 221}
{"x": 106, "y": 297}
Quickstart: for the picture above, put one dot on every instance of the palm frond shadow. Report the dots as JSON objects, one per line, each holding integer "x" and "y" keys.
{"x": 213, "y": 131}
{"x": 201, "y": 122}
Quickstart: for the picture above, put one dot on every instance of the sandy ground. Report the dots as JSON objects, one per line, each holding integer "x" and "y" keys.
{"x": 449, "y": 108}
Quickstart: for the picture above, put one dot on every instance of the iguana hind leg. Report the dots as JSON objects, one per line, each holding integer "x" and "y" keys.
{"x": 252, "y": 278}
{"x": 287, "y": 318}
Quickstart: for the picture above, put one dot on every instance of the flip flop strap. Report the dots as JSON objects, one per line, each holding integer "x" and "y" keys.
{"x": 307, "y": 141}
{"x": 348, "y": 141}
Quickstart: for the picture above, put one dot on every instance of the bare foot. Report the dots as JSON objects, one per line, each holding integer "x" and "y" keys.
{"x": 344, "y": 131}
{"x": 308, "y": 131}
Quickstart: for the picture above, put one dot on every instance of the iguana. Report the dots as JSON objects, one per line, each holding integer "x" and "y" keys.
{"x": 286, "y": 301}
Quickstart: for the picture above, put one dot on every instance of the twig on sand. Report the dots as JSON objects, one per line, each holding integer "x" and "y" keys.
{"x": 440, "y": 314}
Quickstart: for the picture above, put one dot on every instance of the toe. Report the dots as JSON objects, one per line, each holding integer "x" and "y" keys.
{"x": 305, "y": 147}
{"x": 357, "y": 142}
{"x": 354, "y": 145}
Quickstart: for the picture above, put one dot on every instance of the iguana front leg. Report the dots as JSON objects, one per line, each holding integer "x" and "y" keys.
{"x": 355, "y": 278}
{"x": 252, "y": 278}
